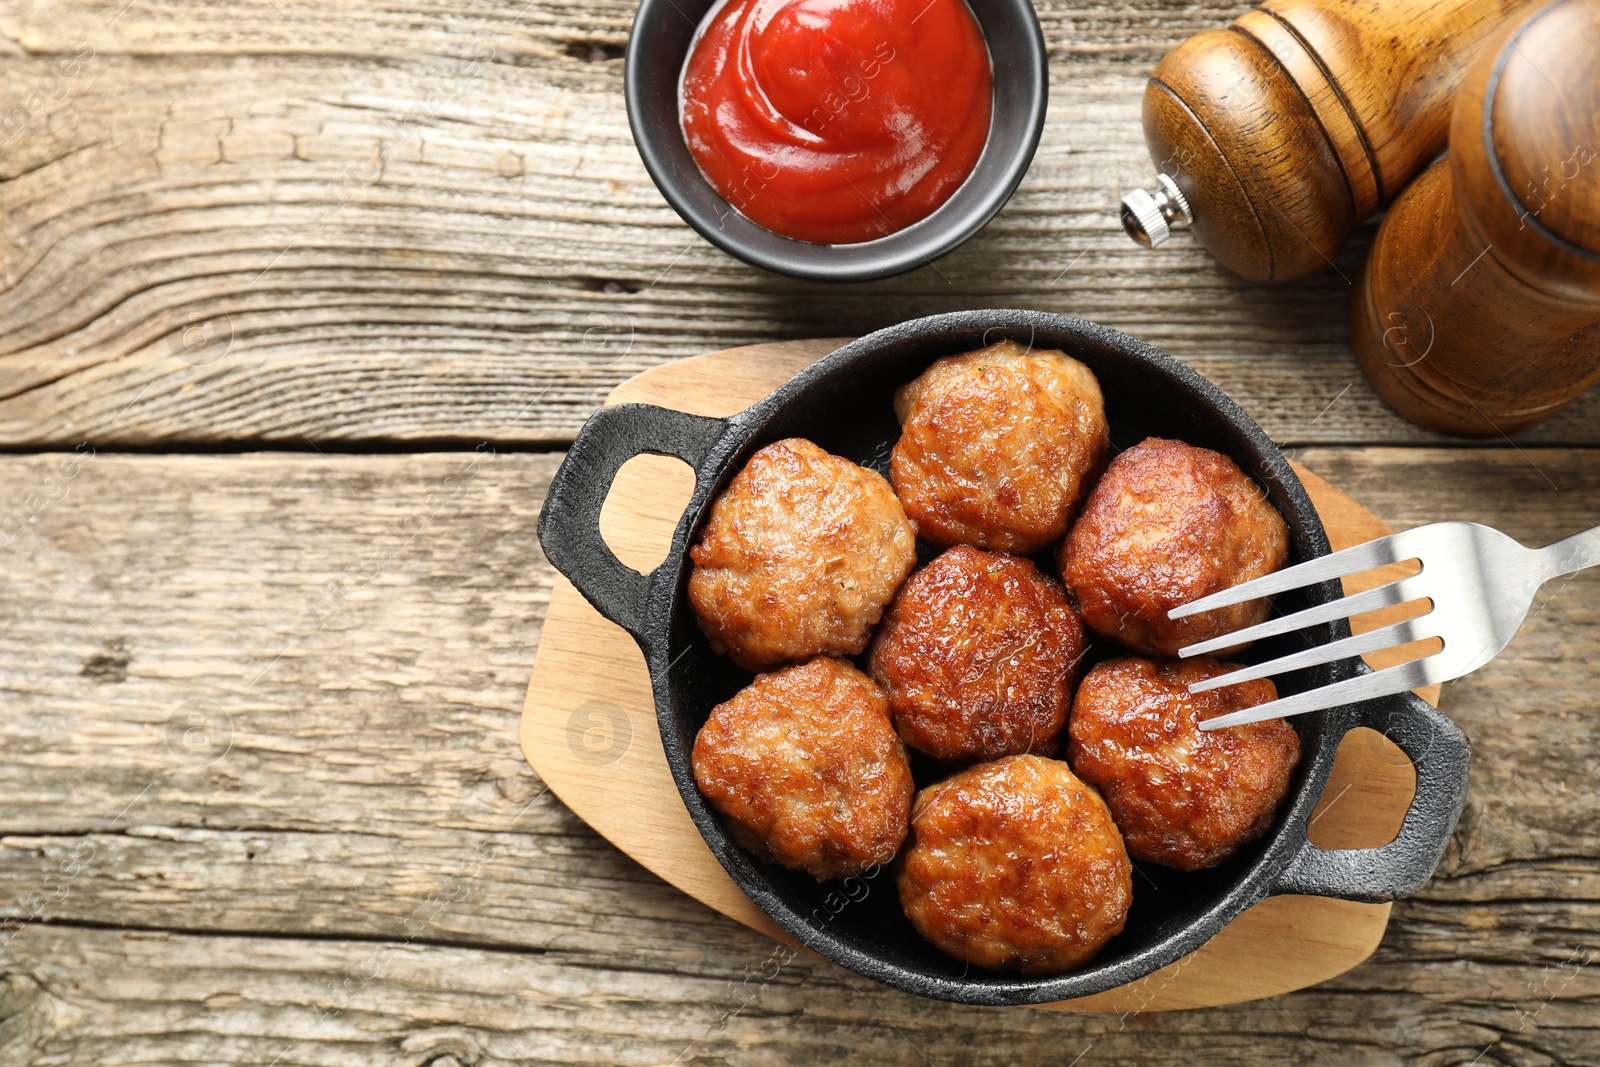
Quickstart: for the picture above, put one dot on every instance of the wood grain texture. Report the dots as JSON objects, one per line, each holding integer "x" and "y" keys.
{"x": 266, "y": 221}
{"x": 336, "y": 1003}
{"x": 372, "y": 843}
{"x": 262, "y": 801}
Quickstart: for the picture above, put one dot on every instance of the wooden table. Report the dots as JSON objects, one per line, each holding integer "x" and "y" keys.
{"x": 300, "y": 303}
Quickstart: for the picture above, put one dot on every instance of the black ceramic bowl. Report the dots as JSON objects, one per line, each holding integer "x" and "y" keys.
{"x": 843, "y": 403}
{"x": 663, "y": 30}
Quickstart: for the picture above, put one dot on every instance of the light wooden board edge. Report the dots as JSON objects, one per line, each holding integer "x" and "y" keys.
{"x": 589, "y": 730}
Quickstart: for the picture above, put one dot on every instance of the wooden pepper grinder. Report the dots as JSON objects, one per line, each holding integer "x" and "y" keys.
{"x": 1275, "y": 136}
{"x": 1478, "y": 312}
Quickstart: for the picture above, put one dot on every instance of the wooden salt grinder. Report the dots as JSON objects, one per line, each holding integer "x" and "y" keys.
{"x": 1478, "y": 312}
{"x": 1275, "y": 136}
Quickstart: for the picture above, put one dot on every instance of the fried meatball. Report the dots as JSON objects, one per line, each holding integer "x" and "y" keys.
{"x": 996, "y": 446}
{"x": 978, "y": 654}
{"x": 1170, "y": 523}
{"x": 806, "y": 768}
{"x": 800, "y": 556}
{"x": 1183, "y": 797}
{"x": 1016, "y": 864}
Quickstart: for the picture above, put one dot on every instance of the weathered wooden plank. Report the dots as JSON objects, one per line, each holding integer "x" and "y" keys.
{"x": 81, "y": 997}
{"x": 351, "y": 624}
{"x": 564, "y": 890}
{"x": 258, "y": 221}
{"x": 290, "y": 640}
{"x": 371, "y": 790}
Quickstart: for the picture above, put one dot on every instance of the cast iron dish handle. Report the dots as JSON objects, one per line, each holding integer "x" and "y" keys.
{"x": 1439, "y": 751}
{"x": 569, "y": 524}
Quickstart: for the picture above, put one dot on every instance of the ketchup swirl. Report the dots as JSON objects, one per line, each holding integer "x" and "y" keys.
{"x": 837, "y": 121}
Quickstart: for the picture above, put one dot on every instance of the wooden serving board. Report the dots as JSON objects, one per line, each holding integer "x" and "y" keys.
{"x": 589, "y": 727}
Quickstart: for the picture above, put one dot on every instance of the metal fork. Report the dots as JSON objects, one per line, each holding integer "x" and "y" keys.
{"x": 1481, "y": 584}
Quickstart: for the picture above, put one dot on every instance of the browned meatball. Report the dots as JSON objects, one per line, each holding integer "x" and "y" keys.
{"x": 978, "y": 654}
{"x": 806, "y": 767}
{"x": 801, "y": 554}
{"x": 1183, "y": 796}
{"x": 1170, "y": 523}
{"x": 1016, "y": 864}
{"x": 996, "y": 446}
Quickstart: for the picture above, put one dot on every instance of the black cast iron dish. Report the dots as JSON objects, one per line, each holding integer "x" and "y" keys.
{"x": 843, "y": 403}
{"x": 662, "y": 32}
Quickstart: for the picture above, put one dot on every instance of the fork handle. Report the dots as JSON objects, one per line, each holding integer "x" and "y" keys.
{"x": 1572, "y": 554}
{"x": 1439, "y": 751}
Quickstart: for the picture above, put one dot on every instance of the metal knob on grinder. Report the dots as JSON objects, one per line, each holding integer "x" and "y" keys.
{"x": 1151, "y": 216}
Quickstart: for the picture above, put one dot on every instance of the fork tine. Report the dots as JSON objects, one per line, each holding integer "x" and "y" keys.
{"x": 1416, "y": 673}
{"x": 1386, "y": 637}
{"x": 1387, "y": 595}
{"x": 1336, "y": 565}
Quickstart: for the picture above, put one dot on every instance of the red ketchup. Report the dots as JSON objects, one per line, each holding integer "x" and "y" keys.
{"x": 837, "y": 121}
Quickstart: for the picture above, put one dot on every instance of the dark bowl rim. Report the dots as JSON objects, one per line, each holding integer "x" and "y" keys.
{"x": 1251, "y": 885}
{"x": 917, "y": 245}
